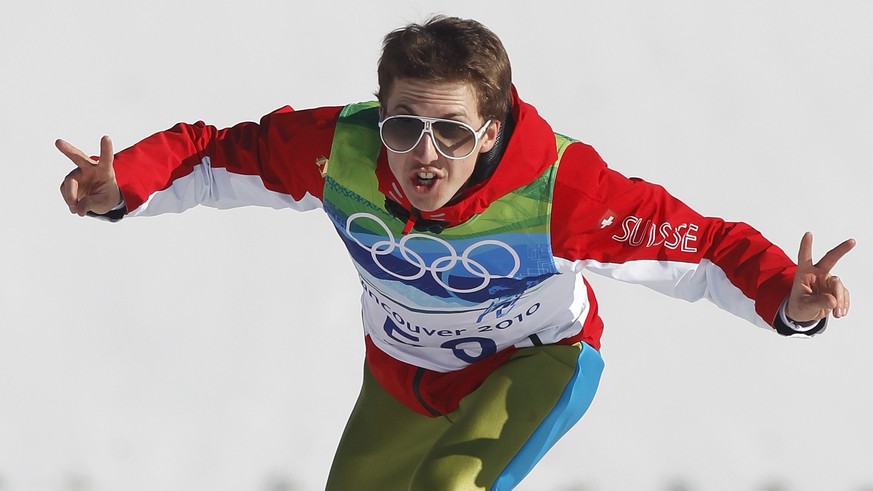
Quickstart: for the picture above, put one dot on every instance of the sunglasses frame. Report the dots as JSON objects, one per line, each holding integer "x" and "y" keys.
{"x": 428, "y": 128}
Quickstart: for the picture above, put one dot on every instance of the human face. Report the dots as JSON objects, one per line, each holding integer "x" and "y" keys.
{"x": 428, "y": 178}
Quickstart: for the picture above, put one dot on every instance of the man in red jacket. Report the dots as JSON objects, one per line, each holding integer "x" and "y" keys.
{"x": 469, "y": 221}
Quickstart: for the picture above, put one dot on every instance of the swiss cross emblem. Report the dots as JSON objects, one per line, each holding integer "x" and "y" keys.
{"x": 607, "y": 219}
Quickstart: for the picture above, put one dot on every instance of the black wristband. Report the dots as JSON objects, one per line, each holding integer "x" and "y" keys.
{"x": 111, "y": 215}
{"x": 786, "y": 330}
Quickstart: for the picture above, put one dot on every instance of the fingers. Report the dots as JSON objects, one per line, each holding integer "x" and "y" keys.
{"x": 82, "y": 160}
{"x": 815, "y": 289}
{"x": 848, "y": 304}
{"x": 91, "y": 186}
{"x": 72, "y": 182}
{"x": 841, "y": 296}
{"x": 804, "y": 256}
{"x": 78, "y": 157}
{"x": 70, "y": 190}
{"x": 84, "y": 206}
{"x": 827, "y": 263}
{"x": 106, "y": 155}
{"x": 813, "y": 307}
{"x": 830, "y": 259}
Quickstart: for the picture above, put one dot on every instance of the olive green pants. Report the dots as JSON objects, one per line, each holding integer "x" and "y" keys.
{"x": 491, "y": 441}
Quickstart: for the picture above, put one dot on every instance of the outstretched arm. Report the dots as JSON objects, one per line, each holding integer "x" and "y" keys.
{"x": 271, "y": 163}
{"x": 91, "y": 186}
{"x": 635, "y": 231}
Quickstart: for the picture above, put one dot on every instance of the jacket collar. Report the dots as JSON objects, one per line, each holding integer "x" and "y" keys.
{"x": 530, "y": 150}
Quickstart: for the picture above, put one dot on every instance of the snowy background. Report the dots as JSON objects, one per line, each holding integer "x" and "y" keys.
{"x": 222, "y": 350}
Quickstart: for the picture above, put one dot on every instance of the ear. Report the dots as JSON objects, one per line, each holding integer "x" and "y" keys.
{"x": 490, "y": 136}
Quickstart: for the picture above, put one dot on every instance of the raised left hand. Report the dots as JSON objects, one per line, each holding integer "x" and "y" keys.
{"x": 816, "y": 292}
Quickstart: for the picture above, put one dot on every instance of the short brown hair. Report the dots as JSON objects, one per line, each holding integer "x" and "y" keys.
{"x": 449, "y": 49}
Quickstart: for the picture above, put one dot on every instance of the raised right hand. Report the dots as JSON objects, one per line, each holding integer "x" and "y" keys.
{"x": 91, "y": 186}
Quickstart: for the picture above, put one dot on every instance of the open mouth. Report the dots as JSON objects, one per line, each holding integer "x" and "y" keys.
{"x": 425, "y": 179}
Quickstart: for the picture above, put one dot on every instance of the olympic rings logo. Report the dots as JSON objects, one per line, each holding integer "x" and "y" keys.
{"x": 443, "y": 264}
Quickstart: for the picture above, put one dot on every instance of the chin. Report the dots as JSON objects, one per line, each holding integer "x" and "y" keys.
{"x": 428, "y": 206}
{"x": 424, "y": 201}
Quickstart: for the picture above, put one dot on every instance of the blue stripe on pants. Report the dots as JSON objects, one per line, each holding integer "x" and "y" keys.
{"x": 574, "y": 401}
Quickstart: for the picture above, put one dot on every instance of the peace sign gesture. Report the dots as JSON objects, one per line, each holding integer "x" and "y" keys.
{"x": 91, "y": 186}
{"x": 816, "y": 293}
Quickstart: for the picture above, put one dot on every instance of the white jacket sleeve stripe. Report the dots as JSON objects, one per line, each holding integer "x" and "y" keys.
{"x": 686, "y": 281}
{"x": 219, "y": 188}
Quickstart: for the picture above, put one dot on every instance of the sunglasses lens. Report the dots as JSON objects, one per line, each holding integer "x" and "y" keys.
{"x": 401, "y": 134}
{"x": 454, "y": 139}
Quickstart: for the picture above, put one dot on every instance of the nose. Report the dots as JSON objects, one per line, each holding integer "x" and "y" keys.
{"x": 425, "y": 151}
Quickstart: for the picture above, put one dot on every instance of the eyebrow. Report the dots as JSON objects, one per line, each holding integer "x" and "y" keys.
{"x": 449, "y": 115}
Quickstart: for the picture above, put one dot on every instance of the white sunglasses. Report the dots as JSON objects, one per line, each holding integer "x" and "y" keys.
{"x": 452, "y": 139}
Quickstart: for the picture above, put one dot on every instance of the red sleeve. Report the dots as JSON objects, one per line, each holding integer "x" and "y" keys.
{"x": 635, "y": 231}
{"x": 281, "y": 150}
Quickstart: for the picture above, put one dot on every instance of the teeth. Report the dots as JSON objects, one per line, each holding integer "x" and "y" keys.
{"x": 426, "y": 175}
